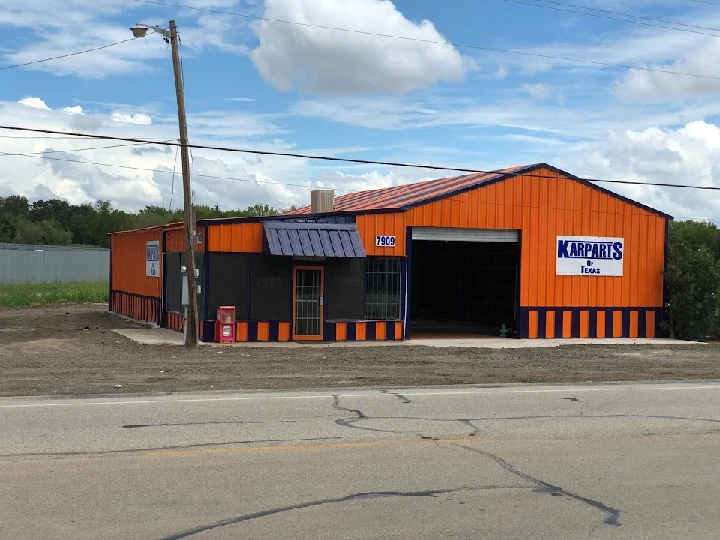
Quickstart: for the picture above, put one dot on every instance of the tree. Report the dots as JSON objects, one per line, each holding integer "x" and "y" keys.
{"x": 692, "y": 278}
{"x": 16, "y": 205}
{"x": 696, "y": 234}
{"x": 45, "y": 232}
{"x": 261, "y": 210}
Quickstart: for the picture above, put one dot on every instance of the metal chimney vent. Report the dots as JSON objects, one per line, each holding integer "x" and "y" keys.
{"x": 322, "y": 201}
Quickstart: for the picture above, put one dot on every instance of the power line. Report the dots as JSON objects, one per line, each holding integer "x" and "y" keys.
{"x": 144, "y": 169}
{"x": 333, "y": 159}
{"x": 68, "y": 54}
{"x": 436, "y": 42}
{"x": 610, "y": 17}
{"x": 631, "y": 15}
{"x": 84, "y": 149}
{"x": 706, "y": 2}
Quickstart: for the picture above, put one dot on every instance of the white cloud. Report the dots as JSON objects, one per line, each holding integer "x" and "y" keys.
{"x": 137, "y": 118}
{"x": 73, "y": 110}
{"x": 658, "y": 85}
{"x": 538, "y": 91}
{"x": 65, "y": 174}
{"x": 241, "y": 99}
{"x": 79, "y": 25}
{"x": 688, "y": 155}
{"x": 331, "y": 62}
{"x": 34, "y": 103}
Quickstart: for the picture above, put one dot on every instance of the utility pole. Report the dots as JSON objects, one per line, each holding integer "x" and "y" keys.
{"x": 191, "y": 317}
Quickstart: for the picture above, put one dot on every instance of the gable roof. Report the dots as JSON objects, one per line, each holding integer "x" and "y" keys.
{"x": 400, "y": 198}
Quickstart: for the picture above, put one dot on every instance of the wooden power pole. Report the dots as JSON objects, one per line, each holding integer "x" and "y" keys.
{"x": 191, "y": 317}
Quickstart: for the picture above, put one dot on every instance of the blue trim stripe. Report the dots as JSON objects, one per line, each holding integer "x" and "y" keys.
{"x": 252, "y": 331}
{"x": 274, "y": 331}
{"x": 330, "y": 331}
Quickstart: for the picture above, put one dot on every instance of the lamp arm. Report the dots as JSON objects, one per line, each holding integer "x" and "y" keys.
{"x": 164, "y": 32}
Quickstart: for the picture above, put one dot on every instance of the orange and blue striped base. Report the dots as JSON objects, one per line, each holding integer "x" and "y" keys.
{"x": 587, "y": 322}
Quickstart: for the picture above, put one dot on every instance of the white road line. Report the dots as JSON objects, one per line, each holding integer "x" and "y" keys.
{"x": 374, "y": 394}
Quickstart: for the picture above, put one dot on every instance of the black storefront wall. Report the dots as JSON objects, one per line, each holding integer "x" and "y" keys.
{"x": 345, "y": 289}
{"x": 261, "y": 286}
{"x": 228, "y": 276}
{"x": 271, "y": 288}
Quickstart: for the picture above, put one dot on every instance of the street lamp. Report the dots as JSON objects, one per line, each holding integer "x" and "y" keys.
{"x": 191, "y": 317}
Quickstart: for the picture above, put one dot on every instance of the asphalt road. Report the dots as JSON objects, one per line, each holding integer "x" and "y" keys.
{"x": 598, "y": 461}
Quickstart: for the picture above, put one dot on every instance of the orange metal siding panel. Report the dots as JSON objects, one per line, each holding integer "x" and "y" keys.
{"x": 128, "y": 263}
{"x": 235, "y": 237}
{"x": 380, "y": 331}
{"x": 650, "y": 324}
{"x": 241, "y": 332}
{"x": 543, "y": 206}
{"x": 634, "y": 320}
{"x": 617, "y": 324}
{"x": 360, "y": 331}
{"x": 398, "y": 331}
{"x": 341, "y": 331}
{"x": 263, "y": 331}
{"x": 284, "y": 331}
{"x": 371, "y": 225}
{"x": 533, "y": 330}
{"x": 567, "y": 324}
{"x": 175, "y": 240}
{"x": 550, "y": 325}
{"x": 584, "y": 324}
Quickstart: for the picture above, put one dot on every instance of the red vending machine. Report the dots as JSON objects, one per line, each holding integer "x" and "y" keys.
{"x": 225, "y": 325}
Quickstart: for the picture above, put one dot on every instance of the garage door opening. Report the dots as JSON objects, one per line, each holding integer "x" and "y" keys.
{"x": 464, "y": 288}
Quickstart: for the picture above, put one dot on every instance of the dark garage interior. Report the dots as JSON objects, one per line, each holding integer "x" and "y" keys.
{"x": 463, "y": 288}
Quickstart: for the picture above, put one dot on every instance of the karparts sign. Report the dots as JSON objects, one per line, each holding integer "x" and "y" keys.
{"x": 589, "y": 256}
{"x": 152, "y": 259}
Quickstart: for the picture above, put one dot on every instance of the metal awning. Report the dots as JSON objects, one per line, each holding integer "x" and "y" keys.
{"x": 312, "y": 239}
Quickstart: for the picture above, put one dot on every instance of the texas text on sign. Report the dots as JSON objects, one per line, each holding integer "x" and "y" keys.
{"x": 589, "y": 256}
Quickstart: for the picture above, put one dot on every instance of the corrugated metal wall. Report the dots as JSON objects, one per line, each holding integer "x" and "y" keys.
{"x": 237, "y": 237}
{"x": 128, "y": 263}
{"x": 545, "y": 205}
{"x": 49, "y": 264}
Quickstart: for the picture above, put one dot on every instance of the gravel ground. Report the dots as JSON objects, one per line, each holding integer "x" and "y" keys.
{"x": 72, "y": 350}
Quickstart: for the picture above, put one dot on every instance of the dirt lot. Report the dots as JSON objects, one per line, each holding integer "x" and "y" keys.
{"x": 71, "y": 350}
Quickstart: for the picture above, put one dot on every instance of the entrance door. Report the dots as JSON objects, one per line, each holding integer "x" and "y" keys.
{"x": 308, "y": 311}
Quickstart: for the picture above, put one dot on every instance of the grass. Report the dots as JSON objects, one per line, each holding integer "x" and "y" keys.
{"x": 44, "y": 294}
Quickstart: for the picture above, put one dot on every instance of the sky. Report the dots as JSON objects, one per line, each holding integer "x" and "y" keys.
{"x": 413, "y": 81}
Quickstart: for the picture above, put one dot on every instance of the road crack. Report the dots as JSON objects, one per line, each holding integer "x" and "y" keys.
{"x": 331, "y": 500}
{"x": 403, "y": 399}
{"x": 612, "y": 515}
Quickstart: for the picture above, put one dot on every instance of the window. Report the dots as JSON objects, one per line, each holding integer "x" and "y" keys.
{"x": 382, "y": 289}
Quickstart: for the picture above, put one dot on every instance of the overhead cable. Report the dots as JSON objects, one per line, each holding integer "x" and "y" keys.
{"x": 68, "y": 55}
{"x": 336, "y": 159}
{"x": 438, "y": 42}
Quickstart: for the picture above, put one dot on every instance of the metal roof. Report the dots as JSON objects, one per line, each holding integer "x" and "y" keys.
{"x": 401, "y": 197}
{"x": 312, "y": 239}
{"x": 410, "y": 195}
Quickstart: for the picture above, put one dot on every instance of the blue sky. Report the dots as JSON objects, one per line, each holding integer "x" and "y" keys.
{"x": 269, "y": 85}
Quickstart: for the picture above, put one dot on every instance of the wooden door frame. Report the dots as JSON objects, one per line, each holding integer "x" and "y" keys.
{"x": 295, "y": 336}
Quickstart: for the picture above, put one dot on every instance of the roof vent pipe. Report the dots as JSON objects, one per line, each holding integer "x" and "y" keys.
{"x": 322, "y": 201}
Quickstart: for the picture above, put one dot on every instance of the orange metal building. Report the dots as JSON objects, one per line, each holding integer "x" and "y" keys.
{"x": 530, "y": 251}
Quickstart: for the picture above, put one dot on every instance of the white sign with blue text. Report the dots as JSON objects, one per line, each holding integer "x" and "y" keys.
{"x": 589, "y": 256}
{"x": 384, "y": 241}
{"x": 152, "y": 259}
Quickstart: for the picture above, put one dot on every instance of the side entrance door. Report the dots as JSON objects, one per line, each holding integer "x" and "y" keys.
{"x": 308, "y": 303}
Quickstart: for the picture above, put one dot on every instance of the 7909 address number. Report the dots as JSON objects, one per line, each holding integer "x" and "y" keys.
{"x": 384, "y": 241}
